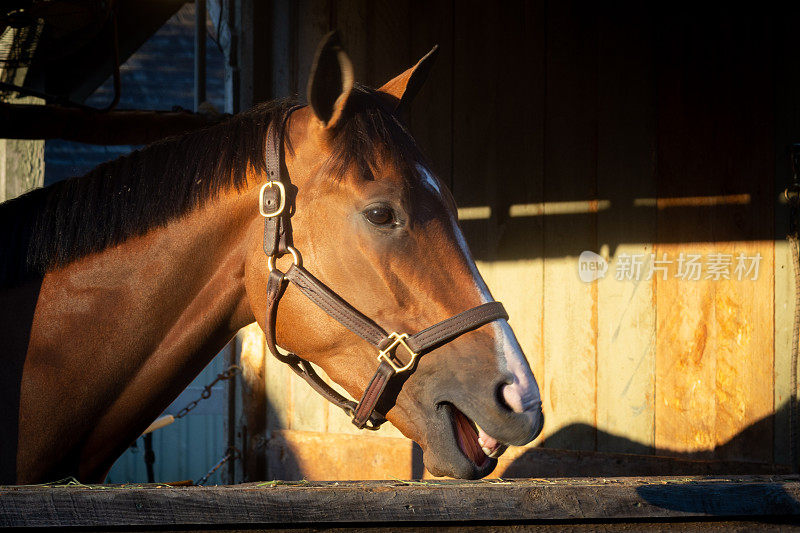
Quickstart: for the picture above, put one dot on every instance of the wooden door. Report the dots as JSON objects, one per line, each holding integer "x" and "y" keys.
{"x": 633, "y": 131}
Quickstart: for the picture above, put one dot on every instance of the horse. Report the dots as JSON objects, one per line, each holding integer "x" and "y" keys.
{"x": 121, "y": 285}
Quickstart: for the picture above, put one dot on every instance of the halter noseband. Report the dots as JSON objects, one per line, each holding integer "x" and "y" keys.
{"x": 276, "y": 208}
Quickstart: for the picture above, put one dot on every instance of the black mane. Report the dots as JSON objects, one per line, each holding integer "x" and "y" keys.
{"x": 135, "y": 193}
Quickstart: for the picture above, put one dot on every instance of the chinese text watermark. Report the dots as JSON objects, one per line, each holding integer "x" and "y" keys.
{"x": 686, "y": 266}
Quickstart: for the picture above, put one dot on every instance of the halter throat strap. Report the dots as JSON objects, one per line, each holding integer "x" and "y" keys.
{"x": 398, "y": 353}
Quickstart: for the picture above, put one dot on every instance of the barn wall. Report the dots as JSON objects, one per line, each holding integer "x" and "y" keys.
{"x": 622, "y": 129}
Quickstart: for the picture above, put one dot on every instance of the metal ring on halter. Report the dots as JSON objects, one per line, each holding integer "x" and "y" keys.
{"x": 296, "y": 259}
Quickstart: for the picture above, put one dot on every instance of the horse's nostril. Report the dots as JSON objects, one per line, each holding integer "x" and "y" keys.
{"x": 539, "y": 424}
{"x": 513, "y": 397}
{"x": 505, "y": 398}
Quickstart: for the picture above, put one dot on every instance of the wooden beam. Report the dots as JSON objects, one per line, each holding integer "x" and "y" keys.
{"x": 498, "y": 501}
{"x": 77, "y": 74}
{"x": 114, "y": 127}
{"x": 626, "y": 137}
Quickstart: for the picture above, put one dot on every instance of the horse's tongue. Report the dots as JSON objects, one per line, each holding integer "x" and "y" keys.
{"x": 468, "y": 439}
{"x": 486, "y": 440}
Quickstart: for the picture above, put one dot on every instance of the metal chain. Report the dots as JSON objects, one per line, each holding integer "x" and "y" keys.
{"x": 232, "y": 454}
{"x": 226, "y": 374}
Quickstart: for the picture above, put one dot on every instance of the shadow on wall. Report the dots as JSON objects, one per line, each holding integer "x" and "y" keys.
{"x": 282, "y": 457}
{"x": 296, "y": 455}
{"x": 531, "y": 230}
{"x": 641, "y": 459}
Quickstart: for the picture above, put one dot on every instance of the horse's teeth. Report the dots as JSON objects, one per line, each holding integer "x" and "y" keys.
{"x": 498, "y": 451}
{"x": 494, "y": 449}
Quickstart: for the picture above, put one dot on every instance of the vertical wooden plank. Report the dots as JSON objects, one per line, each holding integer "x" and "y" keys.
{"x": 281, "y": 41}
{"x": 21, "y": 161}
{"x": 353, "y": 18}
{"x": 388, "y": 51}
{"x": 491, "y": 166}
{"x": 254, "y": 53}
{"x": 743, "y": 309}
{"x": 338, "y": 421}
{"x": 376, "y": 36}
{"x": 277, "y": 391}
{"x": 431, "y": 23}
{"x": 514, "y": 271}
{"x": 311, "y": 21}
{"x": 626, "y": 172}
{"x": 519, "y": 272}
{"x": 498, "y": 119}
{"x": 685, "y": 361}
{"x": 309, "y": 410}
{"x": 476, "y": 148}
{"x": 570, "y": 316}
{"x": 784, "y": 295}
{"x": 233, "y": 471}
{"x": 744, "y": 380}
{"x": 21, "y": 167}
{"x": 715, "y": 337}
{"x": 787, "y": 131}
{"x": 254, "y": 399}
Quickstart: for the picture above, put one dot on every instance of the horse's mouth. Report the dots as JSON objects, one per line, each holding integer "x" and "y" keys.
{"x": 476, "y": 445}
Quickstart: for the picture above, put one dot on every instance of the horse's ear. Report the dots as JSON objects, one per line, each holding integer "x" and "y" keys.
{"x": 405, "y": 87}
{"x": 330, "y": 81}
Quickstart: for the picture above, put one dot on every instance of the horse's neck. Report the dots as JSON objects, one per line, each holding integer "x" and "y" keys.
{"x": 125, "y": 330}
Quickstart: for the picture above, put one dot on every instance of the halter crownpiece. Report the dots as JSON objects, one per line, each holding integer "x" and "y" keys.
{"x": 273, "y": 203}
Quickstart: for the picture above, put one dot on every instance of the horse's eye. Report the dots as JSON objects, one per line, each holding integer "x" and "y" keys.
{"x": 379, "y": 215}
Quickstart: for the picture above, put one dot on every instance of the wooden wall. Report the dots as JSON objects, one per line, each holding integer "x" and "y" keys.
{"x": 620, "y": 128}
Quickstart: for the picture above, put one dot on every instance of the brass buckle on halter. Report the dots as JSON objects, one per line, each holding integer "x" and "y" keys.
{"x": 398, "y": 339}
{"x": 262, "y": 200}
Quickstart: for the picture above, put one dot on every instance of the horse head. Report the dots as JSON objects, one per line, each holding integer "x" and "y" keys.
{"x": 373, "y": 223}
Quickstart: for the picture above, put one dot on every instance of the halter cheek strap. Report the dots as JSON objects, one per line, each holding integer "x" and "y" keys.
{"x": 273, "y": 200}
{"x": 277, "y": 242}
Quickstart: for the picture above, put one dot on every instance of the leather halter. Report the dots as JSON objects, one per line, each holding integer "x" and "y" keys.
{"x": 277, "y": 209}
